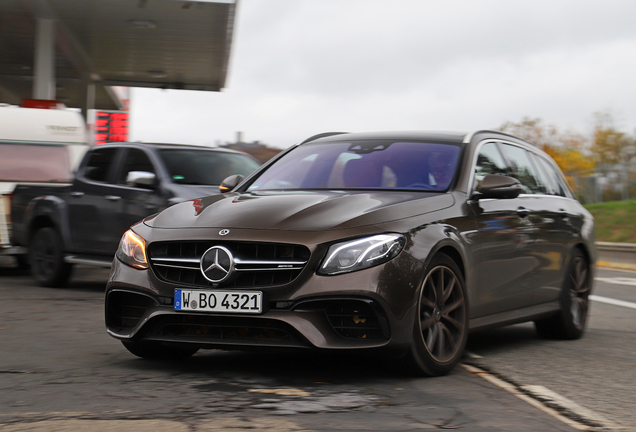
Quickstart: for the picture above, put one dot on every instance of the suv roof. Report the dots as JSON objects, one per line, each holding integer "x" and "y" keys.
{"x": 409, "y": 135}
{"x": 419, "y": 135}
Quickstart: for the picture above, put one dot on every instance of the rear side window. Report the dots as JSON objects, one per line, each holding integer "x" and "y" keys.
{"x": 99, "y": 164}
{"x": 545, "y": 181}
{"x": 523, "y": 169}
{"x": 556, "y": 181}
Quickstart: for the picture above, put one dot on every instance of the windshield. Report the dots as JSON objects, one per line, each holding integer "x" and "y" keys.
{"x": 374, "y": 164}
{"x": 204, "y": 167}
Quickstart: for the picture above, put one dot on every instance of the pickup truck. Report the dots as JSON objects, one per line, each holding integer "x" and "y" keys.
{"x": 115, "y": 186}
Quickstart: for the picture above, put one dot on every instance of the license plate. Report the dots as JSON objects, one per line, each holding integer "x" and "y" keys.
{"x": 218, "y": 301}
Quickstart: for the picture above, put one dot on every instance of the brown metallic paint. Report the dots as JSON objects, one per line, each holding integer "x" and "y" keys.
{"x": 431, "y": 222}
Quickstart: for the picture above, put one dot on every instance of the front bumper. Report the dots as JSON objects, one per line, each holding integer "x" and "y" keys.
{"x": 369, "y": 309}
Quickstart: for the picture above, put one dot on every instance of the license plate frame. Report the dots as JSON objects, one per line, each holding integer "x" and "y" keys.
{"x": 221, "y": 301}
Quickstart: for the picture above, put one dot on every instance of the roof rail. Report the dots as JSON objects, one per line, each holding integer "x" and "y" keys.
{"x": 470, "y": 136}
{"x": 322, "y": 135}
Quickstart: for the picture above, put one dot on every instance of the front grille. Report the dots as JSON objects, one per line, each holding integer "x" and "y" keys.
{"x": 125, "y": 309}
{"x": 256, "y": 264}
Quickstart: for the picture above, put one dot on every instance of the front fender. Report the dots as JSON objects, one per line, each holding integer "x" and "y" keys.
{"x": 48, "y": 210}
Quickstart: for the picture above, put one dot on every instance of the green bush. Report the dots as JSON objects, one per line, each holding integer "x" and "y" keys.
{"x": 615, "y": 221}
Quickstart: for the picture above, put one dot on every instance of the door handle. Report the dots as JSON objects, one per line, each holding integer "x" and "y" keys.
{"x": 112, "y": 197}
{"x": 77, "y": 194}
{"x": 523, "y": 212}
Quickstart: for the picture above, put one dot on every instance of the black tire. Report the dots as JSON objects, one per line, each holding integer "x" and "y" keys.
{"x": 440, "y": 327}
{"x": 46, "y": 257}
{"x": 155, "y": 351}
{"x": 571, "y": 320}
{"x": 23, "y": 262}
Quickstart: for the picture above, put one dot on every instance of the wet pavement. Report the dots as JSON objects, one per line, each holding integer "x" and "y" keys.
{"x": 59, "y": 371}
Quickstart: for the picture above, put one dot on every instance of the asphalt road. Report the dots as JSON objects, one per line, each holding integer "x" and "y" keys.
{"x": 59, "y": 371}
{"x": 597, "y": 371}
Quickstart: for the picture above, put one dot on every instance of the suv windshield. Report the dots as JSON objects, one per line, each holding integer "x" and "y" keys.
{"x": 374, "y": 164}
{"x": 205, "y": 167}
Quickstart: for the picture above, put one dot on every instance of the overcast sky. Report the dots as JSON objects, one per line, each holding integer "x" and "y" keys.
{"x": 301, "y": 67}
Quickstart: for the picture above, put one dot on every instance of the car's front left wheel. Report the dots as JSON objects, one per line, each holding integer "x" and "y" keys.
{"x": 441, "y": 326}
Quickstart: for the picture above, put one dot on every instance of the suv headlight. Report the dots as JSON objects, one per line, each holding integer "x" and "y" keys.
{"x": 362, "y": 253}
{"x": 132, "y": 250}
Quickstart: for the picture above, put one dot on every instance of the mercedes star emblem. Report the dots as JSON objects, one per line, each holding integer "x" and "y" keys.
{"x": 217, "y": 264}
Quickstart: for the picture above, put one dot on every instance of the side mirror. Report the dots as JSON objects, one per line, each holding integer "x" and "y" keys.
{"x": 497, "y": 186}
{"x": 230, "y": 182}
{"x": 141, "y": 179}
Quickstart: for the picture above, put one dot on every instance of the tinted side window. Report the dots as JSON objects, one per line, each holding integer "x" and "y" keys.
{"x": 204, "y": 167}
{"x": 99, "y": 163}
{"x": 136, "y": 160}
{"x": 557, "y": 182}
{"x": 547, "y": 183}
{"x": 489, "y": 161}
{"x": 522, "y": 169}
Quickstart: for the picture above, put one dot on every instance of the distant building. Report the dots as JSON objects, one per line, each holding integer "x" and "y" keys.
{"x": 260, "y": 151}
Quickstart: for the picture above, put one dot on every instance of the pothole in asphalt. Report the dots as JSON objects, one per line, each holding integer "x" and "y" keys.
{"x": 288, "y": 400}
{"x": 319, "y": 403}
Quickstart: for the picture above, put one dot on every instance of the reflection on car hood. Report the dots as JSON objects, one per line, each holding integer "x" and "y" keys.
{"x": 303, "y": 211}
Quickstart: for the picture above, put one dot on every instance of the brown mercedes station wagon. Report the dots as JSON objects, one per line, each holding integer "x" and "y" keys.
{"x": 399, "y": 242}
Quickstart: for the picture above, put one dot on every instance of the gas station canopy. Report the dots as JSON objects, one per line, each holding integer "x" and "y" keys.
{"x": 76, "y": 51}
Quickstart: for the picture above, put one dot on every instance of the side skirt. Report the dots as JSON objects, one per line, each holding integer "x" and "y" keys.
{"x": 514, "y": 316}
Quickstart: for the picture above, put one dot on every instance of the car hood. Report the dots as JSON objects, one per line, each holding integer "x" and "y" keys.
{"x": 303, "y": 211}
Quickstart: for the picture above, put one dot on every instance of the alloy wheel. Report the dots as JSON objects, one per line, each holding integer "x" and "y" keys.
{"x": 442, "y": 312}
{"x": 579, "y": 291}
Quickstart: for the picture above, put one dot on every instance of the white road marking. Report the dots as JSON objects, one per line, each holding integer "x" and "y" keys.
{"x": 547, "y": 396}
{"x": 534, "y": 402}
{"x": 539, "y": 395}
{"x": 613, "y": 301}
{"x": 618, "y": 280}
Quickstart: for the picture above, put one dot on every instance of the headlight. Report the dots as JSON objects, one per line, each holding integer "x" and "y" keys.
{"x": 363, "y": 253}
{"x": 132, "y": 250}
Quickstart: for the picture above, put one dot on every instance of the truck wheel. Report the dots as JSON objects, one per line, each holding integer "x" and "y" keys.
{"x": 46, "y": 257}
{"x": 23, "y": 262}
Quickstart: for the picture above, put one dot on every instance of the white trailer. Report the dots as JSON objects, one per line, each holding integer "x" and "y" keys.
{"x": 36, "y": 146}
